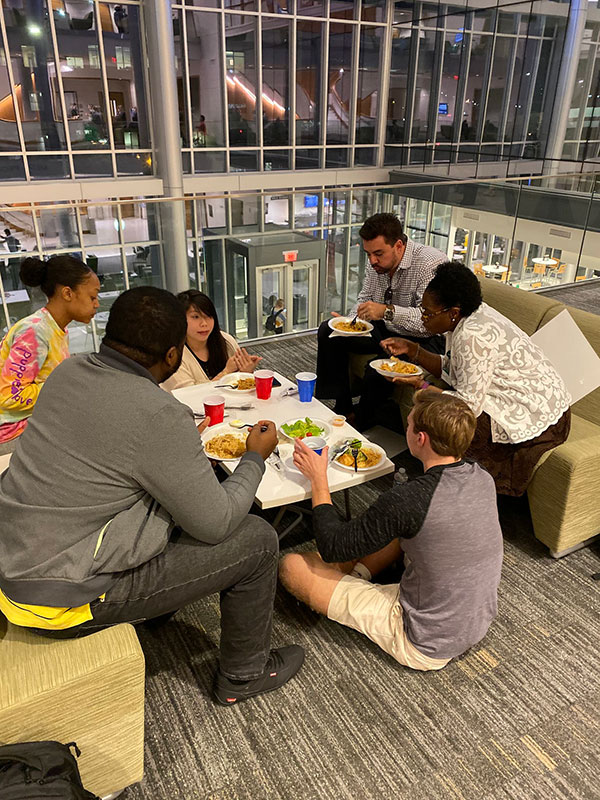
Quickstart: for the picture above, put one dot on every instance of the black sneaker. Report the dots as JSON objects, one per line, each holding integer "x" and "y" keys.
{"x": 282, "y": 665}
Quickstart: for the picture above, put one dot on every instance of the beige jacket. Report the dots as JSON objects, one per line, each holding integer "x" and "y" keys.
{"x": 190, "y": 372}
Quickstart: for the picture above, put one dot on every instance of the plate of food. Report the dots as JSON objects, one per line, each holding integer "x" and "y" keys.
{"x": 299, "y": 428}
{"x": 368, "y": 457}
{"x": 223, "y": 443}
{"x": 395, "y": 368}
{"x": 238, "y": 382}
{"x": 346, "y": 327}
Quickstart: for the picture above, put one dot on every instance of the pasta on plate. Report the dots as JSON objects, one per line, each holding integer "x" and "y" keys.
{"x": 401, "y": 367}
{"x": 344, "y": 325}
{"x": 226, "y": 445}
{"x": 244, "y": 383}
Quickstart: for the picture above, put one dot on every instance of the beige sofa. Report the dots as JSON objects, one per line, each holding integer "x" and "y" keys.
{"x": 88, "y": 690}
{"x": 563, "y": 493}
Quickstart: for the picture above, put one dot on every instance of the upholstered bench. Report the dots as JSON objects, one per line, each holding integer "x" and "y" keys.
{"x": 88, "y": 690}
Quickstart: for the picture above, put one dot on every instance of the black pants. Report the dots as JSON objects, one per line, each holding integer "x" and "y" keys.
{"x": 376, "y": 406}
{"x": 333, "y": 358}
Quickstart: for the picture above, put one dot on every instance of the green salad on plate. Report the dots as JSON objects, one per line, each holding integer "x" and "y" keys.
{"x": 301, "y": 428}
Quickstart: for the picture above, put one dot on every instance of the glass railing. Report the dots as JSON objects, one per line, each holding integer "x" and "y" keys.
{"x": 249, "y": 250}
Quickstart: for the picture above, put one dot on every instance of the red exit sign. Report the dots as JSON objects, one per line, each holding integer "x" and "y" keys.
{"x": 290, "y": 255}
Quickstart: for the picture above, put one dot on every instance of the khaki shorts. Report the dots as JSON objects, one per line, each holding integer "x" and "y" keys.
{"x": 374, "y": 610}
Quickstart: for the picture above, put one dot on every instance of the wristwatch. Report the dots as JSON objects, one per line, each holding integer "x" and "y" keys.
{"x": 388, "y": 314}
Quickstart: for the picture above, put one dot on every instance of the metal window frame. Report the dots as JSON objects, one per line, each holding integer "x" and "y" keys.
{"x": 13, "y": 91}
{"x": 102, "y": 54}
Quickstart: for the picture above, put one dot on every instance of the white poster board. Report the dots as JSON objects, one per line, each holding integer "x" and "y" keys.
{"x": 573, "y": 356}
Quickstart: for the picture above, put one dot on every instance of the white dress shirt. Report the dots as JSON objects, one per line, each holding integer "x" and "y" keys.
{"x": 408, "y": 284}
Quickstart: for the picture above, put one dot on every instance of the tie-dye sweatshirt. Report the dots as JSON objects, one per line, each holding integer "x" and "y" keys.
{"x": 32, "y": 348}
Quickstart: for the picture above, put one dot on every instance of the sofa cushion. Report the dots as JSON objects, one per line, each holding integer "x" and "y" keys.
{"x": 589, "y": 324}
{"x": 525, "y": 309}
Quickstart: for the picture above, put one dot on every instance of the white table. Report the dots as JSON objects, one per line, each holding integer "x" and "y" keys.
{"x": 495, "y": 269}
{"x": 546, "y": 262}
{"x": 277, "y": 488}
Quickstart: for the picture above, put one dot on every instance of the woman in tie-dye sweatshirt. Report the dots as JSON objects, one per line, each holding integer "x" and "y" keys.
{"x": 37, "y": 344}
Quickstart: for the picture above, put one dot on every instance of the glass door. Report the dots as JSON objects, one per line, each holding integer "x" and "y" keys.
{"x": 303, "y": 295}
{"x": 291, "y": 289}
{"x": 240, "y": 294}
{"x": 269, "y": 288}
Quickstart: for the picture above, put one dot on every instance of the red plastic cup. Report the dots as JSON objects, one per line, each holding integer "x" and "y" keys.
{"x": 263, "y": 379}
{"x": 214, "y": 408}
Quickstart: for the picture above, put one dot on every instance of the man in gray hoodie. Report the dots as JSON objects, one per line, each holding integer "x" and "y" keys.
{"x": 110, "y": 511}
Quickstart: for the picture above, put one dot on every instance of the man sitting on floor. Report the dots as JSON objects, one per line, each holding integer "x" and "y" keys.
{"x": 110, "y": 511}
{"x": 444, "y": 522}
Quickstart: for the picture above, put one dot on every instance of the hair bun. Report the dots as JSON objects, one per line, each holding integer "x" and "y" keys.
{"x": 33, "y": 271}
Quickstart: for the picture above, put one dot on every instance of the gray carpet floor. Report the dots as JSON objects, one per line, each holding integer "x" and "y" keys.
{"x": 515, "y": 718}
{"x": 585, "y": 296}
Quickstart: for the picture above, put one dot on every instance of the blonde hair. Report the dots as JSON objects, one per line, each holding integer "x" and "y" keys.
{"x": 447, "y": 420}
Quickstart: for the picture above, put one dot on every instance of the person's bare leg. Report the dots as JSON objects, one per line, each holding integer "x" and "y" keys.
{"x": 382, "y": 558}
{"x": 344, "y": 566}
{"x": 310, "y": 579}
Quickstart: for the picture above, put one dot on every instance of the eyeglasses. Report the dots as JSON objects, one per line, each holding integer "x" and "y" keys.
{"x": 387, "y": 296}
{"x": 430, "y": 314}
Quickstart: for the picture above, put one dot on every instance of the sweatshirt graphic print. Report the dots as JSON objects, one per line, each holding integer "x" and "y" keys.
{"x": 32, "y": 348}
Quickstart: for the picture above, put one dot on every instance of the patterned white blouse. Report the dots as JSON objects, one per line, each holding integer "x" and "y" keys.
{"x": 495, "y": 367}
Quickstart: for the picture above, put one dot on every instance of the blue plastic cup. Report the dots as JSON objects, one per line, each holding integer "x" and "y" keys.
{"x": 316, "y": 443}
{"x": 306, "y": 386}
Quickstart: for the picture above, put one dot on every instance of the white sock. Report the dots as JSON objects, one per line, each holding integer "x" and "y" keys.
{"x": 360, "y": 571}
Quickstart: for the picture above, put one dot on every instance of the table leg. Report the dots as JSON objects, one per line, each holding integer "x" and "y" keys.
{"x": 347, "y": 504}
{"x": 298, "y": 511}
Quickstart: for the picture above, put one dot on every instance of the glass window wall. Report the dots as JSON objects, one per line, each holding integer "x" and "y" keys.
{"x": 341, "y": 43}
{"x": 276, "y": 90}
{"x": 309, "y": 58}
{"x": 242, "y": 84}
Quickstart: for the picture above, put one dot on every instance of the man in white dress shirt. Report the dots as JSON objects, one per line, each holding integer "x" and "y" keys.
{"x": 395, "y": 279}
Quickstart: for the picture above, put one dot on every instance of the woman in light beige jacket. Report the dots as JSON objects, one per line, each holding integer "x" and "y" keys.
{"x": 209, "y": 353}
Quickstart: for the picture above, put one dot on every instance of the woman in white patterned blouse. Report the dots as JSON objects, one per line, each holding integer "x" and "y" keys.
{"x": 521, "y": 402}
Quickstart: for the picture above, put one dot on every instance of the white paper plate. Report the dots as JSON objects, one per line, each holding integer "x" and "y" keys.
{"x": 387, "y": 374}
{"x": 288, "y": 463}
{"x": 220, "y": 430}
{"x": 371, "y": 446}
{"x": 232, "y": 378}
{"x": 334, "y": 320}
{"x": 321, "y": 423}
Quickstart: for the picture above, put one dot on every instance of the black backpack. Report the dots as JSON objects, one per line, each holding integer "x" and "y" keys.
{"x": 41, "y": 771}
{"x": 270, "y": 320}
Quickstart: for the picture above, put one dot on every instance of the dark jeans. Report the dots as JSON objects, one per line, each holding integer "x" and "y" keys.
{"x": 376, "y": 405}
{"x": 333, "y": 358}
{"x": 243, "y": 569}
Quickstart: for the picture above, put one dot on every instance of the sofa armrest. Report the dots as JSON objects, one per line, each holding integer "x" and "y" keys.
{"x": 563, "y": 493}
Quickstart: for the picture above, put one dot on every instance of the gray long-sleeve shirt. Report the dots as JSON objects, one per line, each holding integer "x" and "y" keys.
{"x": 447, "y": 523}
{"x": 109, "y": 464}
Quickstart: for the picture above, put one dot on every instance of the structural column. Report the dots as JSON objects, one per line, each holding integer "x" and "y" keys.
{"x": 566, "y": 83}
{"x": 167, "y": 146}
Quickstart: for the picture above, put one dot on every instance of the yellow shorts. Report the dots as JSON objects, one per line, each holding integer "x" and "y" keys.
{"x": 374, "y": 610}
